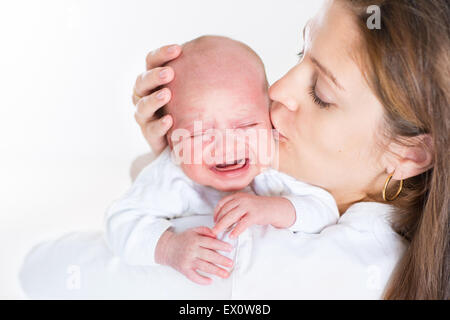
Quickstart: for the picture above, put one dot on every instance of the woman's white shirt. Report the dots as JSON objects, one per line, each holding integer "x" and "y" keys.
{"x": 350, "y": 260}
{"x": 353, "y": 259}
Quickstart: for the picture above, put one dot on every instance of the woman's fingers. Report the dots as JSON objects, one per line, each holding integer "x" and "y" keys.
{"x": 229, "y": 219}
{"x": 154, "y": 132}
{"x": 151, "y": 79}
{"x": 162, "y": 55}
{"x": 195, "y": 277}
{"x": 214, "y": 257}
{"x": 147, "y": 106}
{"x": 215, "y": 244}
{"x": 210, "y": 268}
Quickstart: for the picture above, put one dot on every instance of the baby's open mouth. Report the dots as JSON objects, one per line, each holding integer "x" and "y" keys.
{"x": 230, "y": 166}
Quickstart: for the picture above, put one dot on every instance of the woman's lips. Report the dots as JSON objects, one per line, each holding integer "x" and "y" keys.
{"x": 279, "y": 136}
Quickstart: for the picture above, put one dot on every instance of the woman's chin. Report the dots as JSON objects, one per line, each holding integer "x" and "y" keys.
{"x": 285, "y": 156}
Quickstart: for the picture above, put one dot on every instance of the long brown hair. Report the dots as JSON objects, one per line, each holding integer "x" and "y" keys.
{"x": 407, "y": 64}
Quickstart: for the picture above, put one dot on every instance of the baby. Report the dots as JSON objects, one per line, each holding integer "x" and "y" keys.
{"x": 221, "y": 142}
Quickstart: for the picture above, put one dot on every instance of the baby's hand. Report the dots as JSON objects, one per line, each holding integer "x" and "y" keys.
{"x": 248, "y": 209}
{"x": 195, "y": 249}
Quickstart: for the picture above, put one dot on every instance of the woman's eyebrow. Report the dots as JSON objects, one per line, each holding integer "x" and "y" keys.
{"x": 327, "y": 73}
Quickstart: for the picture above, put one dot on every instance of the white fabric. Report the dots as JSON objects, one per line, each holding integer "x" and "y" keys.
{"x": 163, "y": 193}
{"x": 350, "y": 260}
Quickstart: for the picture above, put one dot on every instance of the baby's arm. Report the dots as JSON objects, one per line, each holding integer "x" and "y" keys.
{"x": 309, "y": 213}
{"x": 138, "y": 231}
{"x": 313, "y": 212}
{"x": 134, "y": 224}
{"x": 247, "y": 209}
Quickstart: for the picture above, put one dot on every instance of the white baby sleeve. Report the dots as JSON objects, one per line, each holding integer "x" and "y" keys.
{"x": 313, "y": 212}
{"x": 135, "y": 223}
{"x": 315, "y": 207}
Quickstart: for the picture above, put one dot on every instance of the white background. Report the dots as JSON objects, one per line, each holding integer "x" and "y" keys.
{"x": 67, "y": 132}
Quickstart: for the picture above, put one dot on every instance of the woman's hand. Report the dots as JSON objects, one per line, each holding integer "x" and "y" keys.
{"x": 246, "y": 209}
{"x": 148, "y": 99}
{"x": 191, "y": 250}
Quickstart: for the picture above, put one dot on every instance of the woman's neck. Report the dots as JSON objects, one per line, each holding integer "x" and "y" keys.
{"x": 345, "y": 200}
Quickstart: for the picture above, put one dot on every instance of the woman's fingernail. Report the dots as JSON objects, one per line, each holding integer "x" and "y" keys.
{"x": 166, "y": 120}
{"x": 171, "y": 49}
{"x": 163, "y": 73}
{"x": 161, "y": 95}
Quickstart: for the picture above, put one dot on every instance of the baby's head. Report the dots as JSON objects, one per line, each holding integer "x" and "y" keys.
{"x": 220, "y": 108}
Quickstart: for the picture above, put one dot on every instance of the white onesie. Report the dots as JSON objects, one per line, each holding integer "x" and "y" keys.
{"x": 162, "y": 194}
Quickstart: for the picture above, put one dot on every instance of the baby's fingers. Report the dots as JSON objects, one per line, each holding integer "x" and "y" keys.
{"x": 214, "y": 257}
{"x": 215, "y": 244}
{"x": 221, "y": 204}
{"x": 195, "y": 277}
{"x": 226, "y": 208}
{"x": 229, "y": 219}
{"x": 211, "y": 268}
{"x": 205, "y": 231}
{"x": 243, "y": 224}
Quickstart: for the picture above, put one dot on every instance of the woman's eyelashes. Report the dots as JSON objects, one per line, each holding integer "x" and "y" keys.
{"x": 312, "y": 90}
{"x": 316, "y": 99}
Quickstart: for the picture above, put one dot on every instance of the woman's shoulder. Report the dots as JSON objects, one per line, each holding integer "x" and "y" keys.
{"x": 356, "y": 255}
{"x": 367, "y": 224}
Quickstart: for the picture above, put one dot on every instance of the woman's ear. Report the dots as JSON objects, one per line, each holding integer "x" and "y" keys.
{"x": 414, "y": 155}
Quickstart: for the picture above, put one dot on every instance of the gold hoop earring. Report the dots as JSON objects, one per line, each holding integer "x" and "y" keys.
{"x": 400, "y": 188}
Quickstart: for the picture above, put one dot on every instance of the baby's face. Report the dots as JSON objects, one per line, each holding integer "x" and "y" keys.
{"x": 221, "y": 133}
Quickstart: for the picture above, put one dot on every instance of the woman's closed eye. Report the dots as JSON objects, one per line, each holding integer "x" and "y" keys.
{"x": 312, "y": 91}
{"x": 316, "y": 99}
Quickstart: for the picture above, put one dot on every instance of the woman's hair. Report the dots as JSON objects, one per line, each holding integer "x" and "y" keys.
{"x": 407, "y": 64}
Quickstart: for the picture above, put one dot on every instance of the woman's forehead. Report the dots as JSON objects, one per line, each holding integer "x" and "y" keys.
{"x": 331, "y": 39}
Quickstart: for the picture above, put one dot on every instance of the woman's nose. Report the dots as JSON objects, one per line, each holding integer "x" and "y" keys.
{"x": 279, "y": 94}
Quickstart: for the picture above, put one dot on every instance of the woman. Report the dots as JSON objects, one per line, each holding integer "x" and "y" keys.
{"x": 364, "y": 115}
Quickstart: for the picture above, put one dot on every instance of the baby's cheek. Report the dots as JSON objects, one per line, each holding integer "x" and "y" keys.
{"x": 261, "y": 146}
{"x": 197, "y": 151}
{"x": 197, "y": 173}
